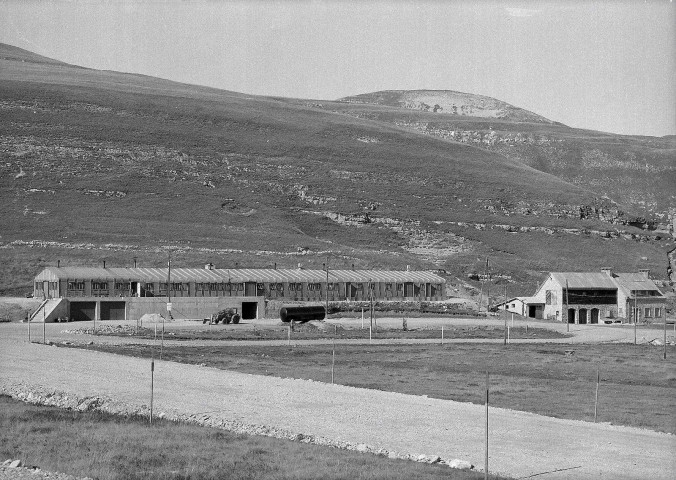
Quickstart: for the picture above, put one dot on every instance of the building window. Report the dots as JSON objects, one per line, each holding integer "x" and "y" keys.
{"x": 647, "y": 312}
{"x": 76, "y": 285}
{"x": 314, "y": 286}
{"x": 38, "y": 286}
{"x": 121, "y": 286}
{"x": 513, "y": 305}
{"x": 295, "y": 287}
{"x": 330, "y": 286}
{"x": 100, "y": 285}
{"x": 658, "y": 312}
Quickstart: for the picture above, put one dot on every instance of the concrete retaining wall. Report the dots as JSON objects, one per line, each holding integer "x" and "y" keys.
{"x": 188, "y": 308}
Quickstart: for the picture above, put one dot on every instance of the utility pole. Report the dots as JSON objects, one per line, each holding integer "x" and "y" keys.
{"x": 327, "y": 287}
{"x": 567, "y": 312}
{"x": 505, "y": 312}
{"x": 488, "y": 287}
{"x": 371, "y": 302}
{"x": 483, "y": 279}
{"x": 168, "y": 302}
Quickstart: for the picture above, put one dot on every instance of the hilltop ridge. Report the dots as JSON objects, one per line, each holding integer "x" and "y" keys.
{"x": 448, "y": 102}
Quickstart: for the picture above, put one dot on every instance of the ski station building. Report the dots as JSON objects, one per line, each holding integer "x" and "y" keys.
{"x": 93, "y": 293}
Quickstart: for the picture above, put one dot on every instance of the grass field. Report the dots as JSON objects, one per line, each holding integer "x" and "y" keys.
{"x": 108, "y": 447}
{"x": 637, "y": 387}
{"x": 309, "y": 332}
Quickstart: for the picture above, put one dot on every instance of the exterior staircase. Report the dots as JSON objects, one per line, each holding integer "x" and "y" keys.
{"x": 49, "y": 310}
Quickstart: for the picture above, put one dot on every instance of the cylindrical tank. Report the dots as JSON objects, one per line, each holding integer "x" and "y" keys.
{"x": 302, "y": 314}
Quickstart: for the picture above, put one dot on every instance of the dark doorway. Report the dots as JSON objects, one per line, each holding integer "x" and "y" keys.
{"x": 249, "y": 310}
{"x": 408, "y": 290}
{"x": 351, "y": 290}
{"x": 532, "y": 309}
{"x": 594, "y": 315}
{"x": 583, "y": 316}
{"x": 571, "y": 315}
{"x": 112, "y": 310}
{"x": 82, "y": 311}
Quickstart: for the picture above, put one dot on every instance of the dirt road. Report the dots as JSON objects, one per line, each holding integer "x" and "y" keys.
{"x": 521, "y": 444}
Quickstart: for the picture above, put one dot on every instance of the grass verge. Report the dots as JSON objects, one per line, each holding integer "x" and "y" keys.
{"x": 310, "y": 332}
{"x": 104, "y": 446}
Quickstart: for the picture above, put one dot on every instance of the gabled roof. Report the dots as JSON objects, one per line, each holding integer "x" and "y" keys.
{"x": 261, "y": 275}
{"x": 629, "y": 282}
{"x": 584, "y": 280}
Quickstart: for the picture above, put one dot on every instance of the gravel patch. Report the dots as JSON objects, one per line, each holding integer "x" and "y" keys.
{"x": 40, "y": 396}
{"x": 13, "y": 469}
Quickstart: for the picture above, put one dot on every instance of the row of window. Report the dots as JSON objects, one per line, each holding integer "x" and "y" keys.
{"x": 648, "y": 312}
{"x": 79, "y": 285}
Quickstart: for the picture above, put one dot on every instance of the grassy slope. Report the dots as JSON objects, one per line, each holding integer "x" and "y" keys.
{"x": 636, "y": 171}
{"x": 107, "y": 447}
{"x": 207, "y": 170}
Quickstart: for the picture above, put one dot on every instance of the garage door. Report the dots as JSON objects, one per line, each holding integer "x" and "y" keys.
{"x": 82, "y": 311}
{"x": 112, "y": 310}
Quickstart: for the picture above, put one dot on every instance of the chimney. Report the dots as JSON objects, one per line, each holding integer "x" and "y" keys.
{"x": 608, "y": 271}
{"x": 275, "y": 265}
{"x": 134, "y": 262}
{"x": 104, "y": 264}
{"x": 209, "y": 266}
{"x": 58, "y": 264}
{"x": 645, "y": 272}
{"x": 300, "y": 266}
{"x": 353, "y": 266}
{"x": 408, "y": 268}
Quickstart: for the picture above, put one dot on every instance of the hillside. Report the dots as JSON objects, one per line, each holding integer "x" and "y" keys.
{"x": 635, "y": 171}
{"x": 101, "y": 165}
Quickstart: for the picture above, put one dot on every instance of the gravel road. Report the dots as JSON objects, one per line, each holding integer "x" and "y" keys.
{"x": 521, "y": 444}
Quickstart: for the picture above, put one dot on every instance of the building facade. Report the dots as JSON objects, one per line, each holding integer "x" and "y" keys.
{"x": 598, "y": 297}
{"x": 120, "y": 293}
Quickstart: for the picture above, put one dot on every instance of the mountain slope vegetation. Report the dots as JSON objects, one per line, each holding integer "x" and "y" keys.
{"x": 100, "y": 165}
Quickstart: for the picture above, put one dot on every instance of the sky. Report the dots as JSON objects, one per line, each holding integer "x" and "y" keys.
{"x": 605, "y": 65}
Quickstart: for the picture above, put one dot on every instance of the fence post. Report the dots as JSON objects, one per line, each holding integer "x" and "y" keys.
{"x": 506, "y": 327}
{"x": 486, "y": 462}
{"x": 152, "y": 387}
{"x": 596, "y": 400}
{"x": 333, "y": 360}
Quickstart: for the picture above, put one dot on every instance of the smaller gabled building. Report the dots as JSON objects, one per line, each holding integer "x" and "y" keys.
{"x": 597, "y": 297}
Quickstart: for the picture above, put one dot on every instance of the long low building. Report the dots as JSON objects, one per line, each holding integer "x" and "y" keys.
{"x": 126, "y": 293}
